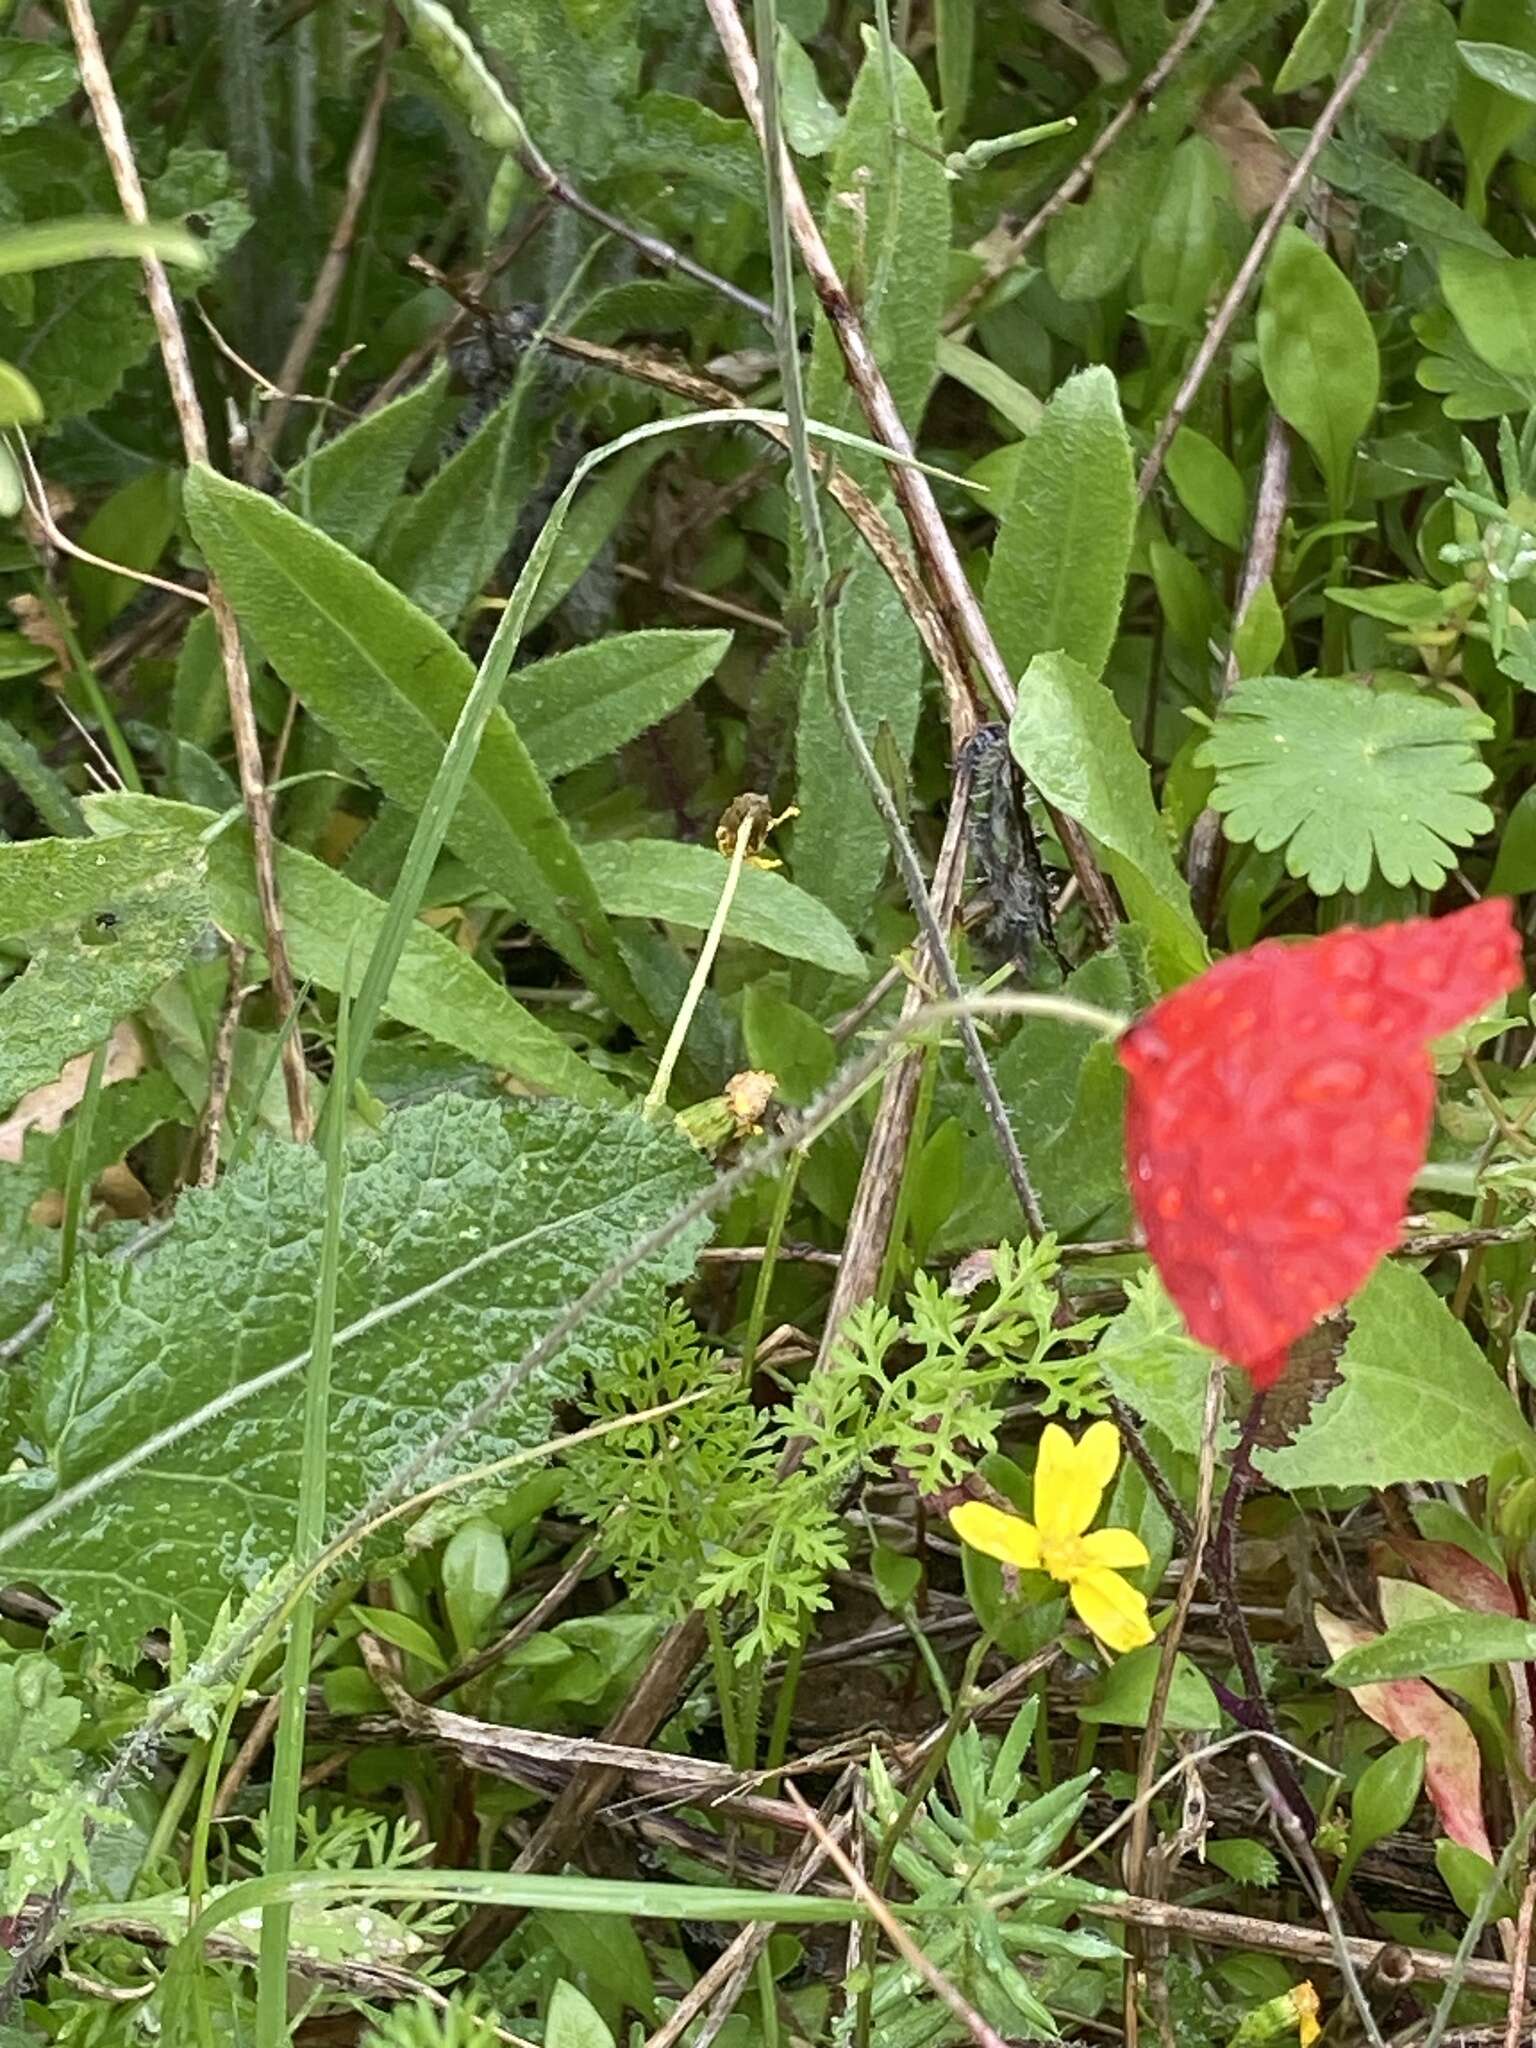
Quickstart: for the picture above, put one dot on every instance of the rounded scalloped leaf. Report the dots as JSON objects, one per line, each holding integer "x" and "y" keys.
{"x": 1349, "y": 779}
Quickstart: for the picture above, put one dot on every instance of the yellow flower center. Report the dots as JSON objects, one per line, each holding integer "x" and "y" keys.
{"x": 1065, "y": 1558}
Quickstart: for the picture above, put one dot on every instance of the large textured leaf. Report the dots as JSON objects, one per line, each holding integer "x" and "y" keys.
{"x": 389, "y": 683}
{"x": 1418, "y": 1399}
{"x": 105, "y": 927}
{"x": 1318, "y": 353}
{"x": 1072, "y": 741}
{"x": 437, "y": 988}
{"x": 1064, "y": 542}
{"x": 681, "y": 884}
{"x": 166, "y": 1416}
{"x": 1346, "y": 778}
{"x": 590, "y": 701}
{"x": 348, "y": 487}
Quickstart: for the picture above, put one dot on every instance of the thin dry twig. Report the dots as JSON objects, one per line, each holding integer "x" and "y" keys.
{"x": 333, "y": 268}
{"x": 1203, "y": 862}
{"x": 1350, "y": 81}
{"x": 97, "y": 82}
{"x": 944, "y": 573}
{"x": 204, "y": 1165}
{"x": 1520, "y": 1964}
{"x": 1011, "y": 249}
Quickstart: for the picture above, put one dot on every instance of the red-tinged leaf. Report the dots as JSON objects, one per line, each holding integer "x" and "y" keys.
{"x": 1456, "y": 1575}
{"x": 1409, "y": 1707}
{"x": 1279, "y": 1111}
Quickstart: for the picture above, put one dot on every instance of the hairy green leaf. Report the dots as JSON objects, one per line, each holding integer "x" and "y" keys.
{"x": 389, "y": 683}
{"x": 1431, "y": 1643}
{"x": 1064, "y": 538}
{"x": 349, "y": 485}
{"x": 1349, "y": 779}
{"x": 437, "y": 987}
{"x": 165, "y": 1415}
{"x": 1072, "y": 741}
{"x": 590, "y": 701}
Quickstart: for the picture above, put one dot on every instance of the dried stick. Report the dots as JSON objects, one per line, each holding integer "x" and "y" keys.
{"x": 1203, "y": 864}
{"x": 980, "y": 2032}
{"x": 257, "y": 1736}
{"x": 333, "y": 268}
{"x": 1349, "y": 84}
{"x": 97, "y": 81}
{"x": 946, "y": 578}
{"x": 221, "y": 1069}
{"x": 1520, "y": 1964}
{"x": 1000, "y": 261}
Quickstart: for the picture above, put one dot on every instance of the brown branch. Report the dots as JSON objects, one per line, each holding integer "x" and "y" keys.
{"x": 1203, "y": 864}
{"x": 1521, "y": 1964}
{"x": 945, "y": 576}
{"x": 203, "y": 1167}
{"x": 97, "y": 81}
{"x": 333, "y": 267}
{"x": 1290, "y": 192}
{"x": 1010, "y": 251}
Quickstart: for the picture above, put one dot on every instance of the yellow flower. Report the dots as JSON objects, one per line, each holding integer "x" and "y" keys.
{"x": 1308, "y": 2007}
{"x": 1070, "y": 1479}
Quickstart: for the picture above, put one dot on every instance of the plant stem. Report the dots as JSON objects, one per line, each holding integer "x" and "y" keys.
{"x": 656, "y": 1095}
{"x": 77, "y": 1180}
{"x": 757, "y": 1315}
{"x": 309, "y": 1533}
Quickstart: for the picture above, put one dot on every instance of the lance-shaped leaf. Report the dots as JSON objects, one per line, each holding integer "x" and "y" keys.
{"x": 167, "y": 1407}
{"x": 389, "y": 683}
{"x": 1408, "y": 1708}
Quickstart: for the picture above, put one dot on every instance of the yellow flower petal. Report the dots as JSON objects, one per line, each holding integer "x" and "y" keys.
{"x": 1115, "y": 1611}
{"x": 1070, "y": 1478}
{"x": 996, "y": 1534}
{"x": 1305, "y": 2000}
{"x": 1117, "y": 1550}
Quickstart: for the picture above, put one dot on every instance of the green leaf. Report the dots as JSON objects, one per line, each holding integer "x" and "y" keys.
{"x": 1451, "y": 366}
{"x": 681, "y": 884}
{"x": 1064, "y": 539}
{"x": 389, "y": 683}
{"x": 1156, "y": 1367}
{"x": 578, "y": 706}
{"x": 1072, "y": 741}
{"x": 132, "y": 527}
{"x": 1409, "y": 89}
{"x": 20, "y": 405}
{"x": 1123, "y": 1696}
{"x": 895, "y": 245}
{"x": 1183, "y": 256}
{"x": 1349, "y": 779}
{"x": 1318, "y": 354}
{"x": 1209, "y": 487}
{"x": 1512, "y": 71}
{"x": 404, "y": 1631}
{"x": 165, "y": 1416}
{"x": 787, "y": 1042}
{"x": 1514, "y": 868}
{"x": 44, "y": 789}
{"x": 1319, "y": 48}
{"x": 841, "y": 846}
{"x": 348, "y": 487}
{"x": 978, "y": 373}
{"x": 1494, "y": 301}
{"x": 110, "y": 926}
{"x": 476, "y": 1573}
{"x": 1387, "y": 1792}
{"x": 811, "y": 123}
{"x": 35, "y": 77}
{"x": 447, "y": 539}
{"x": 589, "y": 526}
{"x": 1434, "y": 1643}
{"x": 1245, "y": 1862}
{"x": 1486, "y": 118}
{"x": 1418, "y": 1400}
{"x": 437, "y": 987}
{"x": 573, "y": 2021}
{"x": 1260, "y": 633}
{"x": 1382, "y": 181}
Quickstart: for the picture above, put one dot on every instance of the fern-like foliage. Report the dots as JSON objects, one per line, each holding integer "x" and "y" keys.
{"x": 694, "y": 1508}
{"x": 463, "y": 2022}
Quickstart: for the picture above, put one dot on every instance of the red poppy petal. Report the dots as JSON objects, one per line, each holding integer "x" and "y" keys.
{"x": 1279, "y": 1110}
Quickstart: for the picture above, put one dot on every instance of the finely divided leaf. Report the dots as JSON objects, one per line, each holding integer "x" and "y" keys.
{"x": 166, "y": 1413}
{"x": 1064, "y": 541}
{"x": 1346, "y": 778}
